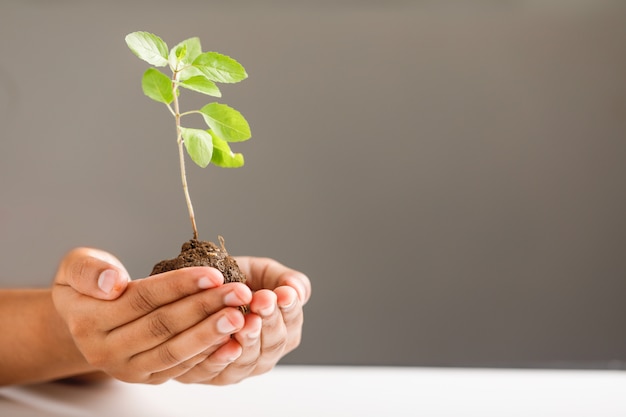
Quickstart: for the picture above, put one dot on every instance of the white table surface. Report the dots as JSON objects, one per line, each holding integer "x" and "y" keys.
{"x": 300, "y": 391}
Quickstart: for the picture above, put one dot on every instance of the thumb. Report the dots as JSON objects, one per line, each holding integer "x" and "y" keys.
{"x": 94, "y": 273}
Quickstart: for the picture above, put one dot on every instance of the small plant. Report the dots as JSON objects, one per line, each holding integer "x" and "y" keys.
{"x": 197, "y": 71}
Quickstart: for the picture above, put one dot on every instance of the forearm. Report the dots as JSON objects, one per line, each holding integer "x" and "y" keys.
{"x": 35, "y": 344}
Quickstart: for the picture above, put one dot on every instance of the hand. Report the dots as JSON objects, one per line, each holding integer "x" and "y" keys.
{"x": 272, "y": 329}
{"x": 148, "y": 330}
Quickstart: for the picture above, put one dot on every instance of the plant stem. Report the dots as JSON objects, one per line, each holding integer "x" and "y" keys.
{"x": 181, "y": 157}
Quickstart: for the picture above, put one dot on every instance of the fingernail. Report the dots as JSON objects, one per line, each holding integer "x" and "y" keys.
{"x": 205, "y": 283}
{"x": 232, "y": 299}
{"x": 289, "y": 305}
{"x": 225, "y": 326}
{"x": 297, "y": 285}
{"x": 267, "y": 311}
{"x": 234, "y": 357}
{"x": 106, "y": 280}
{"x": 254, "y": 335}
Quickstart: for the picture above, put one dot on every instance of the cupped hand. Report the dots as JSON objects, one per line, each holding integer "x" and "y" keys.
{"x": 272, "y": 329}
{"x": 153, "y": 329}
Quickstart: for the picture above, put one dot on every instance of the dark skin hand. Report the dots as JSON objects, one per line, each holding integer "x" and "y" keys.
{"x": 183, "y": 324}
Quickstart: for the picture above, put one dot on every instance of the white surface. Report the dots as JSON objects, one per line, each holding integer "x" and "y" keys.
{"x": 298, "y": 391}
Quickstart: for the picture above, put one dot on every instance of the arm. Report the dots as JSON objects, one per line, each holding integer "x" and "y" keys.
{"x": 36, "y": 344}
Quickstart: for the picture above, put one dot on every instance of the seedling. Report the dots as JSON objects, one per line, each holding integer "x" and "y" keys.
{"x": 197, "y": 71}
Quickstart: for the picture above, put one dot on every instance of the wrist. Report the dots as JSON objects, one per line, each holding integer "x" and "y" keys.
{"x": 38, "y": 347}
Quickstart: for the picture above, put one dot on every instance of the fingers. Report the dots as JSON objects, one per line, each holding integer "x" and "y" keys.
{"x": 160, "y": 327}
{"x": 146, "y": 295}
{"x": 86, "y": 316}
{"x": 263, "y": 340}
{"x": 177, "y": 355}
{"x": 181, "y": 324}
{"x": 233, "y": 361}
{"x": 273, "y": 326}
{"x": 213, "y": 365}
{"x": 165, "y": 322}
{"x": 209, "y": 367}
{"x": 249, "y": 338}
{"x": 274, "y": 334}
{"x": 94, "y": 273}
{"x": 291, "y": 312}
{"x": 270, "y": 274}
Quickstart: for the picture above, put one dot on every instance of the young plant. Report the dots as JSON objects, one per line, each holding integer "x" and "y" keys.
{"x": 198, "y": 71}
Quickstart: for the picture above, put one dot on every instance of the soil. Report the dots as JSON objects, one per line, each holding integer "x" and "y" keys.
{"x": 203, "y": 253}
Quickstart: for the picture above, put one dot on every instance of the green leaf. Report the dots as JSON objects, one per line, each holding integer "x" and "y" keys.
{"x": 148, "y": 47}
{"x": 183, "y": 54}
{"x": 177, "y": 54}
{"x": 223, "y": 156}
{"x": 202, "y": 84}
{"x": 226, "y": 122}
{"x": 199, "y": 145}
{"x": 220, "y": 68}
{"x": 157, "y": 86}
{"x": 193, "y": 50}
{"x": 188, "y": 72}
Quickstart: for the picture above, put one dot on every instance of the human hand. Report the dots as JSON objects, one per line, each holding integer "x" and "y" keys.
{"x": 272, "y": 329}
{"x": 149, "y": 330}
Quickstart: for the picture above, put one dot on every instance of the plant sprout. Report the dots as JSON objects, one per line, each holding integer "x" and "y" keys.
{"x": 197, "y": 71}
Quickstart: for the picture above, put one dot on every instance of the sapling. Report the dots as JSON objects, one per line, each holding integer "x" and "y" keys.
{"x": 197, "y": 71}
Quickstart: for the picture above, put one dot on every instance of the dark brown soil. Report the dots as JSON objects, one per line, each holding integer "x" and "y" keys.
{"x": 203, "y": 253}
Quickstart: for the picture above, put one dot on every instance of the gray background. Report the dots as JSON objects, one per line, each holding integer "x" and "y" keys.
{"x": 449, "y": 174}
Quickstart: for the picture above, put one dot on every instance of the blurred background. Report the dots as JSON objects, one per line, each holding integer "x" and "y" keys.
{"x": 450, "y": 174}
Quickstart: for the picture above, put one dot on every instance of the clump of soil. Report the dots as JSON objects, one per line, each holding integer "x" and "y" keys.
{"x": 203, "y": 253}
